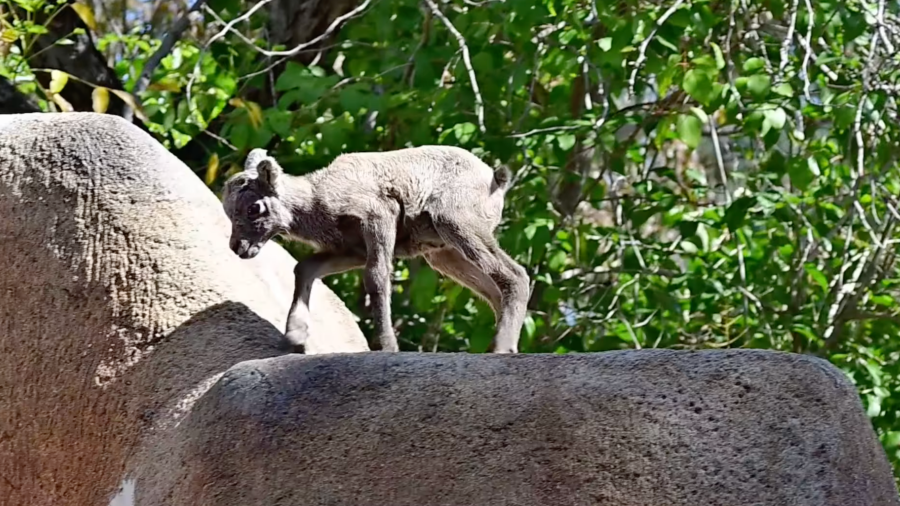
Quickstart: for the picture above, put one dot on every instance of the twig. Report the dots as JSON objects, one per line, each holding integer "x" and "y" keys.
{"x": 467, "y": 61}
{"x": 232, "y": 30}
{"x": 221, "y": 33}
{"x": 804, "y": 68}
{"x": 631, "y": 333}
{"x": 410, "y": 73}
{"x": 536, "y": 131}
{"x": 220, "y": 139}
{"x": 742, "y": 268}
{"x": 832, "y": 75}
{"x": 642, "y": 49}
{"x": 303, "y": 47}
{"x": 857, "y": 121}
{"x": 880, "y": 24}
{"x": 786, "y": 43}
{"x": 328, "y": 31}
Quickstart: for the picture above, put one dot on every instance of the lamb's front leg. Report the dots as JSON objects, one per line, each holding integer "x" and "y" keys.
{"x": 306, "y": 272}
{"x": 380, "y": 234}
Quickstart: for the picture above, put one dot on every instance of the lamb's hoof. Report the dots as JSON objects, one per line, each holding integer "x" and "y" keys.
{"x": 389, "y": 347}
{"x": 297, "y": 341}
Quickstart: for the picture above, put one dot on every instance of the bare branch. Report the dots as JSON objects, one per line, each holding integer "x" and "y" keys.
{"x": 642, "y": 49}
{"x": 232, "y": 30}
{"x": 338, "y": 21}
{"x": 804, "y": 68}
{"x": 786, "y": 43}
{"x": 880, "y": 24}
{"x": 467, "y": 61}
{"x": 221, "y": 33}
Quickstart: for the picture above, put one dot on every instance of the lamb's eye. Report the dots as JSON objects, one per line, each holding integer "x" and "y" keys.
{"x": 256, "y": 210}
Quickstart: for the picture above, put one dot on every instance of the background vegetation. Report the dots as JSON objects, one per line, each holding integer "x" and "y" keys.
{"x": 689, "y": 174}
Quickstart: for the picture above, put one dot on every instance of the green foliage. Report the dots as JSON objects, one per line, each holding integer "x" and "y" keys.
{"x": 685, "y": 179}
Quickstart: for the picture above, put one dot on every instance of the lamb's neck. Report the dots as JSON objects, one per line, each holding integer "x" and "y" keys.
{"x": 298, "y": 194}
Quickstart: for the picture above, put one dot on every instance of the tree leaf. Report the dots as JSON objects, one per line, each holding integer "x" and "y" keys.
{"x": 294, "y": 76}
{"x": 701, "y": 114}
{"x": 63, "y": 104}
{"x": 784, "y": 89}
{"x": 557, "y": 261}
{"x": 212, "y": 169}
{"x": 165, "y": 85}
{"x": 800, "y": 173}
{"x": 753, "y": 64}
{"x": 100, "y": 99}
{"x": 736, "y": 212}
{"x": 690, "y": 130}
{"x": 86, "y": 13}
{"x": 129, "y": 99}
{"x": 758, "y": 85}
{"x": 254, "y": 112}
{"x": 423, "y": 288}
{"x": 280, "y": 122}
{"x": 720, "y": 59}
{"x": 9, "y": 35}
{"x": 773, "y": 119}
{"x": 58, "y": 80}
{"x": 688, "y": 247}
{"x": 464, "y": 132}
{"x": 816, "y": 275}
{"x": 566, "y": 141}
{"x": 605, "y": 43}
{"x": 698, "y": 85}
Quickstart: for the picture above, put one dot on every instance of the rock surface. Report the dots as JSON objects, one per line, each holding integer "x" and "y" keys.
{"x": 631, "y": 428}
{"x": 140, "y": 364}
{"x": 120, "y": 303}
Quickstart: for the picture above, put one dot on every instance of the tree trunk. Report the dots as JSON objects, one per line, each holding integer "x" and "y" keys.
{"x": 81, "y": 59}
{"x": 12, "y": 101}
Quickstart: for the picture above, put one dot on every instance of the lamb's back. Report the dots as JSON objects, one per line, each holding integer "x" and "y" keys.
{"x": 417, "y": 176}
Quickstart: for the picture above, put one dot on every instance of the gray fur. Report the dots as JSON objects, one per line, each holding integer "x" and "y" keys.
{"x": 365, "y": 209}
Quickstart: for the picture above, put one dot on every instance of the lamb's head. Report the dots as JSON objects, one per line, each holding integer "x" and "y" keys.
{"x": 253, "y": 202}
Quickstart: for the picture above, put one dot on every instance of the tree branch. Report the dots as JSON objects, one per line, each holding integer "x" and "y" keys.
{"x": 479, "y": 102}
{"x": 642, "y": 49}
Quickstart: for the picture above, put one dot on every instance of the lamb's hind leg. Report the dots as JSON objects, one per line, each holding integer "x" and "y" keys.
{"x": 450, "y": 262}
{"x": 306, "y": 272}
{"x": 480, "y": 248}
{"x": 380, "y": 233}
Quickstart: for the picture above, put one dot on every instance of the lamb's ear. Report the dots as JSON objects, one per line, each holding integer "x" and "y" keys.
{"x": 253, "y": 158}
{"x": 270, "y": 173}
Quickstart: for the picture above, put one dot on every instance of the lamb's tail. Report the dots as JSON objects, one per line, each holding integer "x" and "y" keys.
{"x": 502, "y": 178}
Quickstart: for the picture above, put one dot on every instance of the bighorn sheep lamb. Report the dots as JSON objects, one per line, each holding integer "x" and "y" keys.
{"x": 364, "y": 209}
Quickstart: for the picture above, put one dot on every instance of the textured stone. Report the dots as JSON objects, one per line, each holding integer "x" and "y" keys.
{"x": 120, "y": 302}
{"x": 630, "y": 428}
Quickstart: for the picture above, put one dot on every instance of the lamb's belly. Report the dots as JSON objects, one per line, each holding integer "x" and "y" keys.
{"x": 416, "y": 236}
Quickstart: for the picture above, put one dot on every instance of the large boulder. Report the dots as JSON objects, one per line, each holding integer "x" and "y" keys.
{"x": 120, "y": 303}
{"x": 630, "y": 428}
{"x": 141, "y": 364}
